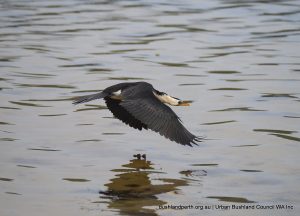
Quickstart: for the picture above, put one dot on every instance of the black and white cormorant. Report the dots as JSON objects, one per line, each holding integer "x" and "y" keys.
{"x": 140, "y": 106}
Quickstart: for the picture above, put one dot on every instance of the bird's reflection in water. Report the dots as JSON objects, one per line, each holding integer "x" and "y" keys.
{"x": 132, "y": 190}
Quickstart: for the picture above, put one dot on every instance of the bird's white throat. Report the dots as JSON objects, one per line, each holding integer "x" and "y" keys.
{"x": 164, "y": 98}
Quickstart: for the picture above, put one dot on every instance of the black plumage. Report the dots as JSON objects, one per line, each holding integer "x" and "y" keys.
{"x": 121, "y": 113}
{"x": 137, "y": 106}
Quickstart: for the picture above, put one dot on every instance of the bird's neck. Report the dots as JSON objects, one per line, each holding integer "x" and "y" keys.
{"x": 164, "y": 98}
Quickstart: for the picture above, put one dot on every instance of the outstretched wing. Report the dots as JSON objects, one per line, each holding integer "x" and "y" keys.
{"x": 144, "y": 106}
{"x": 122, "y": 114}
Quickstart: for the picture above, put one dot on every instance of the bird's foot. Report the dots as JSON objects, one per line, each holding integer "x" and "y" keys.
{"x": 139, "y": 156}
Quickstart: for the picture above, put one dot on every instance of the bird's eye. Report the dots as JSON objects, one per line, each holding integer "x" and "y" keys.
{"x": 160, "y": 93}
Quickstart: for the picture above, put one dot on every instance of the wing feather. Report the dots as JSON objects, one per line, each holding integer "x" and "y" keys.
{"x": 122, "y": 114}
{"x": 144, "y": 106}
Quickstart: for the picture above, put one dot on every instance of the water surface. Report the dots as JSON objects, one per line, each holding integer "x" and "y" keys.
{"x": 237, "y": 60}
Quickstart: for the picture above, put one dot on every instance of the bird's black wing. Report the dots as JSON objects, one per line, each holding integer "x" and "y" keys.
{"x": 144, "y": 106}
{"x": 122, "y": 114}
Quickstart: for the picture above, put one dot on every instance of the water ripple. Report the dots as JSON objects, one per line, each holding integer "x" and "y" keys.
{"x": 238, "y": 60}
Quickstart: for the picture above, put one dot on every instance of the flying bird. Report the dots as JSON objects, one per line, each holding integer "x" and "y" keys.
{"x": 140, "y": 106}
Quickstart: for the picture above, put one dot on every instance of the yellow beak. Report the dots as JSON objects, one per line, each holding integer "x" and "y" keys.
{"x": 184, "y": 103}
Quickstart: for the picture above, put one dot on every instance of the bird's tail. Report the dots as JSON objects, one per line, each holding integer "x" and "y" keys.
{"x": 87, "y": 98}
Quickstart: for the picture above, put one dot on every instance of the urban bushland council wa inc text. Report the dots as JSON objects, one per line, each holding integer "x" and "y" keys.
{"x": 228, "y": 207}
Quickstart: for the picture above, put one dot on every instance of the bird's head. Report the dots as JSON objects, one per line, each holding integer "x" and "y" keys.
{"x": 165, "y": 98}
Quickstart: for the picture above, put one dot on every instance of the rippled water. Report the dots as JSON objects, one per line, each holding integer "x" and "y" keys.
{"x": 237, "y": 60}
